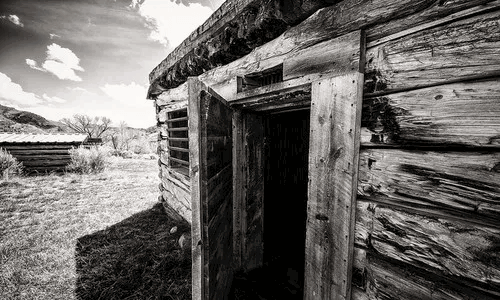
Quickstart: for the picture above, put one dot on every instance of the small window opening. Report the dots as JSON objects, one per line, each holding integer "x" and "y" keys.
{"x": 178, "y": 142}
{"x": 255, "y": 80}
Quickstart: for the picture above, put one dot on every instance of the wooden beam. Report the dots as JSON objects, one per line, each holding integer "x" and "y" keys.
{"x": 463, "y": 185}
{"x": 458, "y": 250}
{"x": 436, "y": 56}
{"x": 198, "y": 255}
{"x": 333, "y": 173}
{"x": 387, "y": 279}
{"x": 465, "y": 114}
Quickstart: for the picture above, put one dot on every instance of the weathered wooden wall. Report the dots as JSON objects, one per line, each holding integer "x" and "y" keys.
{"x": 429, "y": 185}
{"x": 175, "y": 187}
{"x": 41, "y": 158}
{"x": 429, "y": 176}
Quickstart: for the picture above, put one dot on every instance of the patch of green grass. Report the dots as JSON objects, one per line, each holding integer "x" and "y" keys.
{"x": 91, "y": 236}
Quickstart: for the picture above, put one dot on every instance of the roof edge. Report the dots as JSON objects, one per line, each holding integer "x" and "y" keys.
{"x": 231, "y": 32}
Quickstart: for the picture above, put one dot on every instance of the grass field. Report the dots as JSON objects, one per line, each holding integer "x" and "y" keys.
{"x": 99, "y": 236}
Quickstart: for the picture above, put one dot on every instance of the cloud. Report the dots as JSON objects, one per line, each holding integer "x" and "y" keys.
{"x": 60, "y": 61}
{"x": 53, "y": 36}
{"x": 131, "y": 95}
{"x": 53, "y": 99}
{"x": 11, "y": 92}
{"x": 14, "y": 19}
{"x": 13, "y": 95}
{"x": 171, "y": 23}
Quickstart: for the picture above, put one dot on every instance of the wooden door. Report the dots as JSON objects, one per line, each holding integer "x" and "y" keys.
{"x": 211, "y": 171}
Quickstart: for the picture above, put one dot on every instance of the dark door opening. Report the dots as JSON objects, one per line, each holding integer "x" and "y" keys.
{"x": 286, "y": 145}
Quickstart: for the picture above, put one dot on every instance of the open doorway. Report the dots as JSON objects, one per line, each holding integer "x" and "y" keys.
{"x": 286, "y": 148}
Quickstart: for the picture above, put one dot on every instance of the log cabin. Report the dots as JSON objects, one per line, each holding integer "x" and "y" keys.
{"x": 355, "y": 141}
{"x": 42, "y": 153}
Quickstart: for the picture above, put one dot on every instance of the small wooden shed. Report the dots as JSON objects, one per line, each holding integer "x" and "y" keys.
{"x": 41, "y": 153}
{"x": 357, "y": 140}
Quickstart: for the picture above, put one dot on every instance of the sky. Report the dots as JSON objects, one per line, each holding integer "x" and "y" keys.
{"x": 64, "y": 57}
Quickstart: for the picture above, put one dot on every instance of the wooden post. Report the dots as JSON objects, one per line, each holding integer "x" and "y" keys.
{"x": 333, "y": 174}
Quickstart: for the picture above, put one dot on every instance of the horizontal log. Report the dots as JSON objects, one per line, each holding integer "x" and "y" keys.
{"x": 45, "y": 162}
{"x": 172, "y": 96}
{"x": 462, "y": 185}
{"x": 178, "y": 149}
{"x": 40, "y": 152}
{"x": 177, "y": 120}
{"x": 457, "y": 51}
{"x": 393, "y": 281}
{"x": 337, "y": 56}
{"x": 182, "y": 162}
{"x": 458, "y": 250}
{"x": 178, "y": 129}
{"x": 459, "y": 114}
{"x": 162, "y": 115}
{"x": 34, "y": 147}
{"x": 32, "y": 157}
{"x": 180, "y": 180}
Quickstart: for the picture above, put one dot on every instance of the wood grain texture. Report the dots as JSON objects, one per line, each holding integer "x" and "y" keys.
{"x": 239, "y": 188}
{"x": 197, "y": 233}
{"x": 333, "y": 166}
{"x": 459, "y": 251}
{"x": 300, "y": 65}
{"x": 173, "y": 96}
{"x": 456, "y": 51}
{"x": 338, "y": 56}
{"x": 388, "y": 280}
{"x": 254, "y": 198}
{"x": 214, "y": 187}
{"x": 458, "y": 114}
{"x": 454, "y": 184}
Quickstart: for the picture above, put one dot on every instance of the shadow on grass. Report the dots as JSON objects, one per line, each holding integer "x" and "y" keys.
{"x": 137, "y": 258}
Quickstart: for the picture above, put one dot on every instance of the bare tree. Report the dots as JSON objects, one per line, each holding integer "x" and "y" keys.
{"x": 122, "y": 137}
{"x": 94, "y": 127}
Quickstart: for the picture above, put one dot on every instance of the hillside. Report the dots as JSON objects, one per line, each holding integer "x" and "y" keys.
{"x": 13, "y": 120}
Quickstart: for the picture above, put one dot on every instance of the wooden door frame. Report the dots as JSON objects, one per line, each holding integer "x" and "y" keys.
{"x": 335, "y": 99}
{"x": 328, "y": 97}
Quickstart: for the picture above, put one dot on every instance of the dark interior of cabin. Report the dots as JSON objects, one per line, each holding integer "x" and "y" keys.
{"x": 285, "y": 209}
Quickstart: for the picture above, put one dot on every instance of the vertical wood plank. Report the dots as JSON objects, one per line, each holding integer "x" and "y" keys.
{"x": 197, "y": 221}
{"x": 333, "y": 170}
{"x": 238, "y": 187}
{"x": 254, "y": 191}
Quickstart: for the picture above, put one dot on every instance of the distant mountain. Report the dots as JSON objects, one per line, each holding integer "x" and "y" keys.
{"x": 13, "y": 120}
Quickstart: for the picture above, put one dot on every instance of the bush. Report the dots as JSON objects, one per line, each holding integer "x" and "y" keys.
{"x": 87, "y": 160}
{"x": 9, "y": 164}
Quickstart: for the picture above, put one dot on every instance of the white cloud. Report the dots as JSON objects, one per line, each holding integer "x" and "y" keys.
{"x": 14, "y": 19}
{"x": 53, "y": 99}
{"x": 53, "y": 36}
{"x": 13, "y": 95}
{"x": 60, "y": 61}
{"x": 171, "y": 23}
{"x": 11, "y": 92}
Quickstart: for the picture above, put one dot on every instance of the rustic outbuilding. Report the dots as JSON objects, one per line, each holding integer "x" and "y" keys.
{"x": 355, "y": 143}
{"x": 41, "y": 153}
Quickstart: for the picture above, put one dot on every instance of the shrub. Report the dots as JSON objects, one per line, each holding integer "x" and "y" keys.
{"x": 9, "y": 164}
{"x": 87, "y": 160}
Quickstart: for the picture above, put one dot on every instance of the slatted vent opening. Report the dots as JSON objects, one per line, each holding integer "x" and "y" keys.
{"x": 255, "y": 80}
{"x": 178, "y": 142}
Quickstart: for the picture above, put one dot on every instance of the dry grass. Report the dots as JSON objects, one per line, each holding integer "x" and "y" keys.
{"x": 96, "y": 236}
